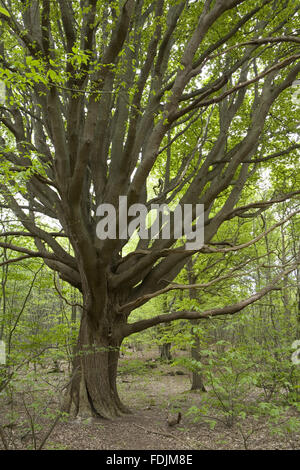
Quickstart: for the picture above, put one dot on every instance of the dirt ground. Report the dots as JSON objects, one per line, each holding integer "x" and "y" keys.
{"x": 154, "y": 391}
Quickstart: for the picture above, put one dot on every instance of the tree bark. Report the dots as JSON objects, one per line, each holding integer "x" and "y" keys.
{"x": 93, "y": 390}
{"x": 197, "y": 381}
{"x": 165, "y": 351}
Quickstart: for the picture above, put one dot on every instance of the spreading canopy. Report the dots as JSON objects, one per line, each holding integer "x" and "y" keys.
{"x": 162, "y": 101}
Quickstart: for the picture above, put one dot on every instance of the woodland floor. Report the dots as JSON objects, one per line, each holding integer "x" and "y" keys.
{"x": 149, "y": 388}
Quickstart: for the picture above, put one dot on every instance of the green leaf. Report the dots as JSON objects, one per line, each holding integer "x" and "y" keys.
{"x": 4, "y": 12}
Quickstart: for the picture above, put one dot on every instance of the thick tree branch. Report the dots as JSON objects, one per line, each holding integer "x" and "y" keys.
{"x": 192, "y": 315}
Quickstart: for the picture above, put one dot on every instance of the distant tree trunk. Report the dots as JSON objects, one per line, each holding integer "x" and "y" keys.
{"x": 197, "y": 381}
{"x": 4, "y": 278}
{"x": 165, "y": 351}
{"x": 73, "y": 314}
{"x": 165, "y": 348}
{"x": 285, "y": 290}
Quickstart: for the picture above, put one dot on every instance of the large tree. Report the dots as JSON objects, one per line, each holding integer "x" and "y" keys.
{"x": 104, "y": 97}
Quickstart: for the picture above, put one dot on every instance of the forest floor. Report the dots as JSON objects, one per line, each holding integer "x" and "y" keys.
{"x": 152, "y": 390}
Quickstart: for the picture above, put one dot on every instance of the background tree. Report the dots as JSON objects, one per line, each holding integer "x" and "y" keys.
{"x": 101, "y": 96}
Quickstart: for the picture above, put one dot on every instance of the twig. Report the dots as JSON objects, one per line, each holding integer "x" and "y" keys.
{"x": 64, "y": 298}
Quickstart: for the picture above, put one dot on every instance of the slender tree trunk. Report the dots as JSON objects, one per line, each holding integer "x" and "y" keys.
{"x": 197, "y": 381}
{"x": 4, "y": 278}
{"x": 165, "y": 351}
{"x": 93, "y": 391}
{"x": 73, "y": 315}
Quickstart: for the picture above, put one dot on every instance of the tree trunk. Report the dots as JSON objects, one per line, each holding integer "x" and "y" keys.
{"x": 165, "y": 351}
{"x": 93, "y": 390}
{"x": 197, "y": 380}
